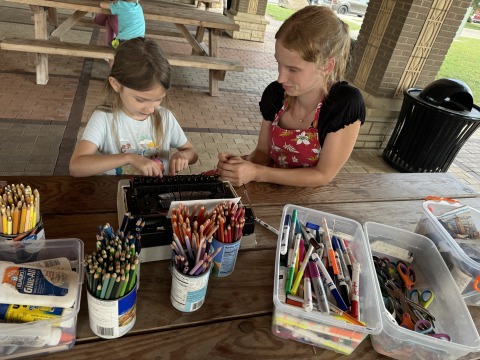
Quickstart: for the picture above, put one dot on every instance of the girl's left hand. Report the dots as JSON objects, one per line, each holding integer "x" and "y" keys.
{"x": 178, "y": 162}
{"x": 236, "y": 170}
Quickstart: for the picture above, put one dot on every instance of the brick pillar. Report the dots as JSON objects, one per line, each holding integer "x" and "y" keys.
{"x": 250, "y": 16}
{"x": 402, "y": 44}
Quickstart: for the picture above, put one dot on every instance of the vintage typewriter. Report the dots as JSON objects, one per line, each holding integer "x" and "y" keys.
{"x": 151, "y": 197}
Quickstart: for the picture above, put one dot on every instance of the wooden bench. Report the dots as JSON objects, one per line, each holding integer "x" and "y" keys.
{"x": 53, "y": 47}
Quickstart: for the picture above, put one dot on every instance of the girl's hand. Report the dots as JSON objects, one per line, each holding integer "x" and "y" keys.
{"x": 178, "y": 162}
{"x": 235, "y": 169}
{"x": 146, "y": 166}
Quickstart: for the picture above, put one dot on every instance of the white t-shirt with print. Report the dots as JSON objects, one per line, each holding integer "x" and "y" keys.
{"x": 135, "y": 137}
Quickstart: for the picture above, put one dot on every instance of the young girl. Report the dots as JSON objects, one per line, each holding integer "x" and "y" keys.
{"x": 132, "y": 134}
{"x": 311, "y": 117}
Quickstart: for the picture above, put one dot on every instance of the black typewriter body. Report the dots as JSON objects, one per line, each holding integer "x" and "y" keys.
{"x": 151, "y": 197}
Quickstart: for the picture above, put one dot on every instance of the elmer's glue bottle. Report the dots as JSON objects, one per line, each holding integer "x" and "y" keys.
{"x": 33, "y": 336}
{"x": 30, "y": 285}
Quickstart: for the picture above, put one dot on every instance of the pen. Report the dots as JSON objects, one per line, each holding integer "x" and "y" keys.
{"x": 285, "y": 234}
{"x": 291, "y": 266}
{"x": 329, "y": 247}
{"x": 301, "y": 271}
{"x": 269, "y": 227}
{"x": 330, "y": 284}
{"x": 321, "y": 297}
{"x": 355, "y": 294}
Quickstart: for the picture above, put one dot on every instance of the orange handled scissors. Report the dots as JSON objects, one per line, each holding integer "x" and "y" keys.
{"x": 407, "y": 274}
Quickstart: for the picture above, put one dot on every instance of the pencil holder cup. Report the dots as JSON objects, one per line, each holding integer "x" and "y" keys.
{"x": 110, "y": 319}
{"x": 188, "y": 291}
{"x": 224, "y": 261}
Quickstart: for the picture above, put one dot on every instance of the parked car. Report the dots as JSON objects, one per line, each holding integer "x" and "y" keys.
{"x": 355, "y": 7}
{"x": 476, "y": 18}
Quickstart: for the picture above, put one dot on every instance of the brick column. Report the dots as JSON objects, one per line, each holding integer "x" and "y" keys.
{"x": 402, "y": 44}
{"x": 250, "y": 16}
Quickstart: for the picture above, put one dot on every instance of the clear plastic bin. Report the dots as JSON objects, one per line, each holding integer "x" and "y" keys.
{"x": 291, "y": 322}
{"x": 37, "y": 337}
{"x": 451, "y": 313}
{"x": 464, "y": 269}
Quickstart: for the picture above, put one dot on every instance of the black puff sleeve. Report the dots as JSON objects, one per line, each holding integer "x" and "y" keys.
{"x": 272, "y": 100}
{"x": 343, "y": 106}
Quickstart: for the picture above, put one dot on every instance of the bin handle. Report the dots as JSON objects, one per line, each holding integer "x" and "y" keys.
{"x": 440, "y": 199}
{"x": 475, "y": 283}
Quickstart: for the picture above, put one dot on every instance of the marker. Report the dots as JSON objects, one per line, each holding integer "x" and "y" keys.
{"x": 282, "y": 277}
{"x": 346, "y": 258}
{"x": 293, "y": 224}
{"x": 321, "y": 297}
{"x": 330, "y": 284}
{"x": 343, "y": 314}
{"x": 355, "y": 293}
{"x": 292, "y": 264}
{"x": 301, "y": 271}
{"x": 307, "y": 291}
{"x": 329, "y": 247}
{"x": 342, "y": 284}
{"x": 285, "y": 234}
{"x": 269, "y": 227}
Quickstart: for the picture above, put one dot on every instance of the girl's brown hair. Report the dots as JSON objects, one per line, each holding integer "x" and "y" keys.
{"x": 140, "y": 65}
{"x": 317, "y": 34}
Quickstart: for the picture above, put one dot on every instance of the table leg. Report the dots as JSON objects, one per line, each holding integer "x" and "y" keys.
{"x": 214, "y": 75}
{"x": 40, "y": 21}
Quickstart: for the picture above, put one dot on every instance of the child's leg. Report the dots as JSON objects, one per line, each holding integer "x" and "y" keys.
{"x": 100, "y": 19}
{"x": 111, "y": 28}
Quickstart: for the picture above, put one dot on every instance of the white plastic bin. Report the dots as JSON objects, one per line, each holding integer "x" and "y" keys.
{"x": 451, "y": 313}
{"x": 291, "y": 322}
{"x": 37, "y": 337}
{"x": 464, "y": 269}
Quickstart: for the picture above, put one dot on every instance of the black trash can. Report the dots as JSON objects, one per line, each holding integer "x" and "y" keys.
{"x": 432, "y": 127}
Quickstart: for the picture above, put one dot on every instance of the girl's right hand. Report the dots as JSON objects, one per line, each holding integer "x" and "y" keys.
{"x": 147, "y": 166}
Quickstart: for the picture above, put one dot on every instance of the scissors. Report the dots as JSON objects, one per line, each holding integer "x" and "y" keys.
{"x": 403, "y": 305}
{"x": 385, "y": 269}
{"x": 426, "y": 327}
{"x": 407, "y": 274}
{"x": 423, "y": 298}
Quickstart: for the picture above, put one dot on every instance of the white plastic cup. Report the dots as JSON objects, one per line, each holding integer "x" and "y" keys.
{"x": 224, "y": 261}
{"x": 110, "y": 319}
{"x": 188, "y": 292}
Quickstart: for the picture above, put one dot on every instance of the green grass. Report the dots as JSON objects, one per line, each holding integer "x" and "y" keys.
{"x": 281, "y": 14}
{"x": 461, "y": 61}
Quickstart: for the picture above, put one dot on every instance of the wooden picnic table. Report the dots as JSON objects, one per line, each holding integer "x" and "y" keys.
{"x": 235, "y": 320}
{"x": 163, "y": 12}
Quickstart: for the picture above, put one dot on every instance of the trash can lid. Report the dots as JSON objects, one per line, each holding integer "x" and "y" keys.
{"x": 448, "y": 93}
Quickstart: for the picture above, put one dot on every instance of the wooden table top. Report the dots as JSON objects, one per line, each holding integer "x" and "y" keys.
{"x": 163, "y": 11}
{"x": 235, "y": 320}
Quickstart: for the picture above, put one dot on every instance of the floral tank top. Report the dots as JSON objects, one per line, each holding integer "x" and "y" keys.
{"x": 294, "y": 148}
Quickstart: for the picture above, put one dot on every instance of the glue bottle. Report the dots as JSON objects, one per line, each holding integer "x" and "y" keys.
{"x": 30, "y": 285}
{"x": 32, "y": 336}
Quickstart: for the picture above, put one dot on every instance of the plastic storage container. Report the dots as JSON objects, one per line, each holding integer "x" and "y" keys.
{"x": 291, "y": 322}
{"x": 451, "y": 313}
{"x": 49, "y": 335}
{"x": 465, "y": 270}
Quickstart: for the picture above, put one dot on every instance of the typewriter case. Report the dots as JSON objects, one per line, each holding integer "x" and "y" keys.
{"x": 150, "y": 198}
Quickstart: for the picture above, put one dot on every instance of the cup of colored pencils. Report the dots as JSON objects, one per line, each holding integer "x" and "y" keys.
{"x": 19, "y": 211}
{"x": 111, "y": 269}
{"x": 112, "y": 272}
